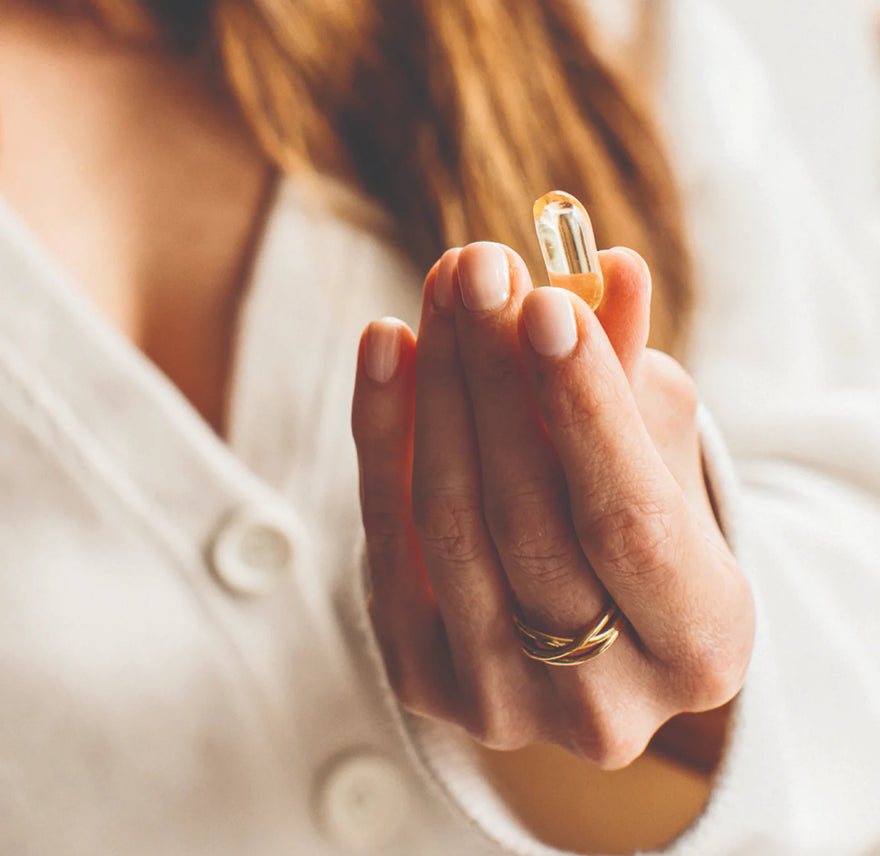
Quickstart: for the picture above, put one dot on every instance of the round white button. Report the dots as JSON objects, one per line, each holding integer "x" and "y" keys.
{"x": 252, "y": 551}
{"x": 363, "y": 801}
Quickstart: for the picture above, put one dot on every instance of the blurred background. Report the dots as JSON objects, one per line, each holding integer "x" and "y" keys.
{"x": 823, "y": 58}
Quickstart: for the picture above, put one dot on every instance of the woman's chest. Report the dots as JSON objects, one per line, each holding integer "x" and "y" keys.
{"x": 184, "y": 643}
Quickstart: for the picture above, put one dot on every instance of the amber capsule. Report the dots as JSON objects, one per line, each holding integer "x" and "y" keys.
{"x": 568, "y": 246}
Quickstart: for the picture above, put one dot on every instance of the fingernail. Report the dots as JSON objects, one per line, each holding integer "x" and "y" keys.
{"x": 550, "y": 322}
{"x": 443, "y": 295}
{"x": 382, "y": 349}
{"x": 484, "y": 276}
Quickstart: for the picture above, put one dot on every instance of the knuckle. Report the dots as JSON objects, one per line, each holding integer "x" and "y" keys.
{"x": 382, "y": 520}
{"x": 715, "y": 670}
{"x": 712, "y": 660}
{"x": 380, "y": 467}
{"x": 412, "y": 685}
{"x": 498, "y": 726}
{"x": 526, "y": 531}
{"x": 577, "y": 407}
{"x": 406, "y": 685}
{"x": 450, "y": 525}
{"x": 384, "y": 531}
{"x": 599, "y": 737}
{"x": 416, "y": 677}
{"x": 635, "y": 539}
{"x": 500, "y": 740}
{"x": 496, "y": 371}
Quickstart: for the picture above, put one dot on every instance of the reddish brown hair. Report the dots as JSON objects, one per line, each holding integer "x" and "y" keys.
{"x": 453, "y": 114}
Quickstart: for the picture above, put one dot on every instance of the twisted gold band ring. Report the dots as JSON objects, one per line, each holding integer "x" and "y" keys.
{"x": 570, "y": 651}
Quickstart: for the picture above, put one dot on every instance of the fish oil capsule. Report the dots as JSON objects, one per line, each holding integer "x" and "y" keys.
{"x": 568, "y": 246}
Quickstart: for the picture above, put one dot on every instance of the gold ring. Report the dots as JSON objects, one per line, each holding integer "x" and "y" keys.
{"x": 570, "y": 651}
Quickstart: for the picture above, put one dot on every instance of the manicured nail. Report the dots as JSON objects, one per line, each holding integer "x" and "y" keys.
{"x": 484, "y": 276}
{"x": 443, "y": 295}
{"x": 382, "y": 349}
{"x": 550, "y": 322}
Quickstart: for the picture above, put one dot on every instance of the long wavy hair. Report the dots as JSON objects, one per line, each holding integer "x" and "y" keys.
{"x": 453, "y": 115}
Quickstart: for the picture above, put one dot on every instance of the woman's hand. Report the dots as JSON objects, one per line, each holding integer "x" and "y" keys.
{"x": 526, "y": 451}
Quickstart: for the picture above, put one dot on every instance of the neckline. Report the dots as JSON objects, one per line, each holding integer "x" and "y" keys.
{"x": 66, "y": 354}
{"x": 248, "y": 280}
{"x": 246, "y": 283}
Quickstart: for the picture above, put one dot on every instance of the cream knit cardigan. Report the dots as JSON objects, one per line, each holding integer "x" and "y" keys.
{"x": 186, "y": 667}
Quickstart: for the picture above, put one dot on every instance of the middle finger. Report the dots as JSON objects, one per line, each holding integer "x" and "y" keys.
{"x": 523, "y": 485}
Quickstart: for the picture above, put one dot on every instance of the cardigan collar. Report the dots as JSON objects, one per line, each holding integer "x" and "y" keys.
{"x": 317, "y": 279}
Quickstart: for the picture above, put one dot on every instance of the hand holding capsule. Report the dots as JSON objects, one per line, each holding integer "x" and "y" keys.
{"x": 527, "y": 454}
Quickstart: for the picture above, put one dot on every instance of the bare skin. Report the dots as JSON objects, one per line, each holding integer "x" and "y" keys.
{"x": 152, "y": 201}
{"x": 152, "y": 204}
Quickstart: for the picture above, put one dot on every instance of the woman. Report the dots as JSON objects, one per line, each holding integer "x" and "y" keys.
{"x": 188, "y": 660}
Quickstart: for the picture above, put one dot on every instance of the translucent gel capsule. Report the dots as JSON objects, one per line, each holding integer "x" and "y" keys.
{"x": 569, "y": 248}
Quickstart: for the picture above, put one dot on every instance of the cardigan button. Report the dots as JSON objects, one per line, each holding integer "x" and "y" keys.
{"x": 252, "y": 552}
{"x": 363, "y": 801}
